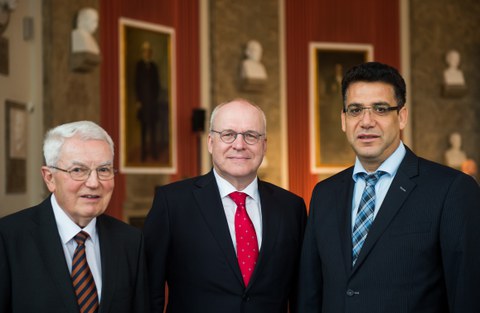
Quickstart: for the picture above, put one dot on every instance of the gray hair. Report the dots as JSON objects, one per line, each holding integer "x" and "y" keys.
{"x": 218, "y": 107}
{"x": 84, "y": 130}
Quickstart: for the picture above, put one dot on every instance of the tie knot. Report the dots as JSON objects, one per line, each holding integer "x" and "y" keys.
{"x": 81, "y": 237}
{"x": 238, "y": 197}
{"x": 371, "y": 179}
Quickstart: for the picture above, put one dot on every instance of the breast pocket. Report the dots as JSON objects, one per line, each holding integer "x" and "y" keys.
{"x": 412, "y": 229}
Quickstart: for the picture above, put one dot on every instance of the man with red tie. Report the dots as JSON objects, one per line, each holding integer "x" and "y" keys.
{"x": 64, "y": 255}
{"x": 226, "y": 241}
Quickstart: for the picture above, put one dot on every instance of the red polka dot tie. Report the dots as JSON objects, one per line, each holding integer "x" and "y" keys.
{"x": 82, "y": 278}
{"x": 247, "y": 244}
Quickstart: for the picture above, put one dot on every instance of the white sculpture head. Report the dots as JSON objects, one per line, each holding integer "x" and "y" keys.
{"x": 87, "y": 20}
{"x": 453, "y": 58}
{"x": 254, "y": 50}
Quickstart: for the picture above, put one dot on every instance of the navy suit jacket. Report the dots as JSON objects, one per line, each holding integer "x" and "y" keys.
{"x": 421, "y": 254}
{"x": 188, "y": 245}
{"x": 34, "y": 275}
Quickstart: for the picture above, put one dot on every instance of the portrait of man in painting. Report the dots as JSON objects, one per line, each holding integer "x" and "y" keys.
{"x": 147, "y": 106}
{"x": 331, "y": 149}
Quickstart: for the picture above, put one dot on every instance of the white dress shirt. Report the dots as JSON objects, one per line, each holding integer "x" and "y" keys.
{"x": 252, "y": 205}
{"x": 68, "y": 230}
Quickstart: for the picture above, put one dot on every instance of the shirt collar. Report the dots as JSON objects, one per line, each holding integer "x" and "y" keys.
{"x": 390, "y": 165}
{"x": 225, "y": 188}
{"x": 66, "y": 227}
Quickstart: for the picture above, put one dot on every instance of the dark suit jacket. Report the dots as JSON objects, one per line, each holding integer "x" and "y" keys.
{"x": 34, "y": 276}
{"x": 421, "y": 254}
{"x": 188, "y": 244}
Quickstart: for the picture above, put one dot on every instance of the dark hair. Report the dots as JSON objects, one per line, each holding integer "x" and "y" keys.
{"x": 376, "y": 72}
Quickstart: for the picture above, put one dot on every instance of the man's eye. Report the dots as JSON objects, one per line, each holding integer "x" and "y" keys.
{"x": 354, "y": 110}
{"x": 251, "y": 135}
{"x": 104, "y": 169}
{"x": 78, "y": 170}
{"x": 228, "y": 135}
{"x": 381, "y": 108}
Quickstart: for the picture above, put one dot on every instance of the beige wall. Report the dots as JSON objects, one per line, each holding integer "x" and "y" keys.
{"x": 23, "y": 85}
{"x": 436, "y": 27}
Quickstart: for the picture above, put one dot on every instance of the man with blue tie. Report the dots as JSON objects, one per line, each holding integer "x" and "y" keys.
{"x": 394, "y": 233}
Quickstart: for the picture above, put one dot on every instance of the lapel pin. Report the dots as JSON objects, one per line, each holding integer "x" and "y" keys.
{"x": 403, "y": 189}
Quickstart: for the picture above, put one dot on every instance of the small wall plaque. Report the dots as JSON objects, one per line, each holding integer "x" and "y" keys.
{"x": 4, "y": 60}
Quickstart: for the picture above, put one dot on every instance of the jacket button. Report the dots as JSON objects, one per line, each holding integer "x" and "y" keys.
{"x": 350, "y": 293}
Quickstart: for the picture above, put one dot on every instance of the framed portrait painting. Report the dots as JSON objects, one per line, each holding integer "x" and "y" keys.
{"x": 147, "y": 98}
{"x": 330, "y": 151}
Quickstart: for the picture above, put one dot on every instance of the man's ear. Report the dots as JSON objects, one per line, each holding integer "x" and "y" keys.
{"x": 48, "y": 178}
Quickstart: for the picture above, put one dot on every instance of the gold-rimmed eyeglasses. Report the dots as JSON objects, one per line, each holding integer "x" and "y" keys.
{"x": 81, "y": 173}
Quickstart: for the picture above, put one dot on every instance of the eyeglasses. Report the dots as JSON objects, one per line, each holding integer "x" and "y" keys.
{"x": 81, "y": 173}
{"x": 228, "y": 136}
{"x": 377, "y": 109}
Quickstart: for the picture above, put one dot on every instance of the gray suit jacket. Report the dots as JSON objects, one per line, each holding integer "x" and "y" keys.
{"x": 421, "y": 254}
{"x": 34, "y": 276}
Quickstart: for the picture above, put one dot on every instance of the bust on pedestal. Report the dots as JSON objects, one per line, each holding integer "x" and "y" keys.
{"x": 453, "y": 80}
{"x": 85, "y": 52}
{"x": 254, "y": 75}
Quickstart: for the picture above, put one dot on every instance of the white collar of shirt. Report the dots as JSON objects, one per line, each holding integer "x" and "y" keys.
{"x": 225, "y": 188}
{"x": 67, "y": 228}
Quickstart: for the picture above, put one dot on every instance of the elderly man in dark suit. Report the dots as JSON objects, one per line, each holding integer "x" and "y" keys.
{"x": 394, "y": 233}
{"x": 226, "y": 241}
{"x": 64, "y": 255}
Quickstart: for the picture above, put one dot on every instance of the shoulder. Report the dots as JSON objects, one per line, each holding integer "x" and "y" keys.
{"x": 184, "y": 186}
{"x": 114, "y": 224}
{"x": 279, "y": 192}
{"x": 19, "y": 221}
{"x": 437, "y": 173}
{"x": 337, "y": 179}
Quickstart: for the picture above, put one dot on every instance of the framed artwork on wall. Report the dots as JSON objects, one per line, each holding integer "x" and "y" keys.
{"x": 330, "y": 151}
{"x": 16, "y": 147}
{"x": 148, "y": 142}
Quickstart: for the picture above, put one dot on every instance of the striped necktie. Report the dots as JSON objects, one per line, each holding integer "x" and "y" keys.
{"x": 82, "y": 278}
{"x": 365, "y": 214}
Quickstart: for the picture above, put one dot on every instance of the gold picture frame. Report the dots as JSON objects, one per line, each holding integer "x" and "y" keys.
{"x": 148, "y": 142}
{"x": 330, "y": 151}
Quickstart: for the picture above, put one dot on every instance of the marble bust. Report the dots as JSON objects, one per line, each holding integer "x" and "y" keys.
{"x": 253, "y": 73}
{"x": 453, "y": 75}
{"x": 455, "y": 156}
{"x": 453, "y": 80}
{"x": 85, "y": 50}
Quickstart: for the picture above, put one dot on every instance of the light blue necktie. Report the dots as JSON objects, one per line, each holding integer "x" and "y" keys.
{"x": 365, "y": 214}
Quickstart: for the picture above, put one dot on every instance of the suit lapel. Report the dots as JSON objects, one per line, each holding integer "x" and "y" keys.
{"x": 270, "y": 228}
{"x": 50, "y": 248}
{"x": 344, "y": 195}
{"x": 211, "y": 207}
{"x": 399, "y": 190}
{"x": 109, "y": 257}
